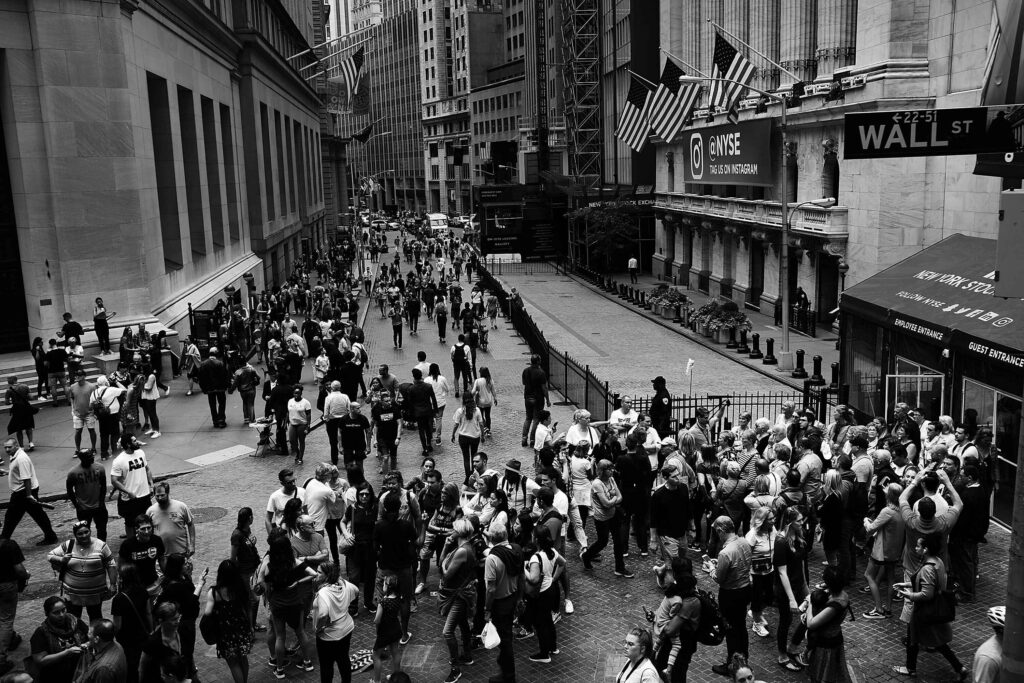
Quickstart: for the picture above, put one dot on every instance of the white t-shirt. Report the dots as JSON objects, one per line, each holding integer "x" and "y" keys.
{"x": 278, "y": 499}
{"x": 577, "y": 433}
{"x": 621, "y": 418}
{"x": 297, "y": 411}
{"x": 22, "y": 469}
{"x": 133, "y": 468}
{"x": 441, "y": 388}
{"x": 541, "y": 435}
{"x": 318, "y": 497}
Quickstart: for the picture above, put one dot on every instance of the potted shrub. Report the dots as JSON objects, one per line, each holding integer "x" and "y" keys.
{"x": 703, "y": 316}
{"x": 726, "y": 316}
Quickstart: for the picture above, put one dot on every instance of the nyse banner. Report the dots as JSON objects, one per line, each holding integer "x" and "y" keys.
{"x": 737, "y": 154}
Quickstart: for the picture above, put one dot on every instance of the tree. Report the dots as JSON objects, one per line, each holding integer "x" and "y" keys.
{"x": 610, "y": 233}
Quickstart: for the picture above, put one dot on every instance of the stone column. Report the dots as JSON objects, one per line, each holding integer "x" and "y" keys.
{"x": 713, "y": 10}
{"x": 693, "y": 24}
{"x": 764, "y": 35}
{"x": 837, "y": 35}
{"x": 797, "y": 43}
{"x": 736, "y": 20}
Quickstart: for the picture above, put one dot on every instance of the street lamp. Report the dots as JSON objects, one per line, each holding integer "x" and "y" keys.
{"x": 785, "y": 357}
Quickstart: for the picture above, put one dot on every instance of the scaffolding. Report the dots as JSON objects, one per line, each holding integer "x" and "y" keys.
{"x": 582, "y": 90}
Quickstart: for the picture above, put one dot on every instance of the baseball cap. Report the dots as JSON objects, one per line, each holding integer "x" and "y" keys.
{"x": 658, "y": 380}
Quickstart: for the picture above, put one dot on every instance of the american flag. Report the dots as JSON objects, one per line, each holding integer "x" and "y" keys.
{"x": 350, "y": 69}
{"x": 364, "y": 134}
{"x": 634, "y": 125}
{"x": 731, "y": 65}
{"x": 671, "y": 104}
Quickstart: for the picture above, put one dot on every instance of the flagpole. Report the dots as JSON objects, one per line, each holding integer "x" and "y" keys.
{"x": 756, "y": 52}
{"x": 328, "y": 42}
{"x": 653, "y": 85}
{"x": 333, "y": 54}
{"x": 684, "y": 63}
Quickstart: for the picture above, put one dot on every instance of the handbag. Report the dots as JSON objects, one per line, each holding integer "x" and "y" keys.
{"x": 941, "y": 609}
{"x": 346, "y": 541}
{"x": 209, "y": 627}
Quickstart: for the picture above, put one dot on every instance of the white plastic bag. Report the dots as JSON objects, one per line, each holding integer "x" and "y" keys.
{"x": 490, "y": 636}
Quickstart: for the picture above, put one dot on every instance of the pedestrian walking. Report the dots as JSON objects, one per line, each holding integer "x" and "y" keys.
{"x": 424, "y": 406}
{"x": 106, "y": 405}
{"x": 606, "y": 500}
{"x": 132, "y": 481}
{"x": 228, "y": 604}
{"x": 24, "y": 485}
{"x": 147, "y": 401}
{"x": 359, "y": 522}
{"x": 214, "y": 380}
{"x": 282, "y": 577}
{"x": 300, "y": 414}
{"x": 190, "y": 362}
{"x": 535, "y": 396}
{"x": 82, "y": 416}
{"x": 22, "y": 423}
{"x": 732, "y": 574}
{"x": 85, "y": 570}
{"x": 503, "y": 570}
{"x": 632, "y": 265}
{"x": 468, "y": 425}
{"x": 333, "y": 608}
{"x": 457, "y": 595}
{"x": 486, "y": 396}
{"x": 87, "y": 489}
{"x": 389, "y": 630}
{"x": 246, "y": 380}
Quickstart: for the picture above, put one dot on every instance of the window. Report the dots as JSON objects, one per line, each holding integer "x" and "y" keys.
{"x": 984, "y": 406}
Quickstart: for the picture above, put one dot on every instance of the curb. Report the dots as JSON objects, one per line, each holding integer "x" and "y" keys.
{"x": 686, "y": 334}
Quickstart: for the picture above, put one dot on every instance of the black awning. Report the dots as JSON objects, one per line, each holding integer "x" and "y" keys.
{"x": 945, "y": 294}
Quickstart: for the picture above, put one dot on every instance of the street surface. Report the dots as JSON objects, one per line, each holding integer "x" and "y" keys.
{"x": 624, "y": 350}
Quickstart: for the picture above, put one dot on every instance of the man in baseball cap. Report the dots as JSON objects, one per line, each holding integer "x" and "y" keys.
{"x": 661, "y": 407}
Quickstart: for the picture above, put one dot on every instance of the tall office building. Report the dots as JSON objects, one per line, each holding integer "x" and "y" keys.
{"x": 157, "y": 151}
{"x": 340, "y": 18}
{"x": 392, "y": 157}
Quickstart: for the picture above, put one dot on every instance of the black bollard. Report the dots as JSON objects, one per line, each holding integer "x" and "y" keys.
{"x": 731, "y": 344}
{"x": 835, "y": 377}
{"x": 799, "y": 372}
{"x": 742, "y": 347}
{"x": 769, "y": 352}
{"x": 816, "y": 377}
{"x": 755, "y": 352}
{"x": 678, "y": 317}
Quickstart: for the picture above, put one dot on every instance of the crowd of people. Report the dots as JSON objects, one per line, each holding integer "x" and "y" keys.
{"x": 900, "y": 502}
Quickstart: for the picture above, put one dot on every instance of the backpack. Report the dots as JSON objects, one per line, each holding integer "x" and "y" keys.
{"x": 711, "y": 626}
{"x": 459, "y": 355}
{"x": 363, "y": 359}
{"x": 98, "y": 407}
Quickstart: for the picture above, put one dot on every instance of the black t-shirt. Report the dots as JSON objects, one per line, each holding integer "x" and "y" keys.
{"x": 144, "y": 556}
{"x": 130, "y": 604}
{"x": 353, "y": 432}
{"x": 534, "y": 380}
{"x": 394, "y": 541}
{"x": 783, "y": 556}
{"x": 387, "y": 422}
{"x": 55, "y": 359}
{"x": 10, "y": 555}
{"x": 72, "y": 328}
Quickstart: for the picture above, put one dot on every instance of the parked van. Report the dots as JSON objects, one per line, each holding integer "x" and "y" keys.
{"x": 438, "y": 223}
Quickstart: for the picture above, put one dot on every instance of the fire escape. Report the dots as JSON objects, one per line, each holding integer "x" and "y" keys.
{"x": 582, "y": 91}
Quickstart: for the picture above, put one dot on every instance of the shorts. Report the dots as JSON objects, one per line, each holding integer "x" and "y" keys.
{"x": 88, "y": 422}
{"x": 670, "y": 546}
{"x": 289, "y": 614}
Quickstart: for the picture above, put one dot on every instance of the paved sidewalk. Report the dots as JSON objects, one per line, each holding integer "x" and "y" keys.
{"x": 606, "y": 607}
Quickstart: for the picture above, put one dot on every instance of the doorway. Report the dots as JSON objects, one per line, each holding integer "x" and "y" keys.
{"x": 828, "y": 289}
{"x": 14, "y": 331}
{"x": 756, "y": 275}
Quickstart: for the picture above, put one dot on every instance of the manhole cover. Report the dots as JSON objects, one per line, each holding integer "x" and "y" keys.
{"x": 204, "y": 515}
{"x": 37, "y": 590}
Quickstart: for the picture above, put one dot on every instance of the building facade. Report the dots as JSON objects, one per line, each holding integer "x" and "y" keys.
{"x": 393, "y": 154}
{"x": 155, "y": 152}
{"x": 725, "y": 239}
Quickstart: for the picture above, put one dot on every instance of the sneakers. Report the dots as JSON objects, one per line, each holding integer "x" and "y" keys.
{"x": 278, "y": 672}
{"x": 556, "y": 617}
{"x": 759, "y": 629}
{"x": 305, "y": 665}
{"x": 453, "y": 675}
{"x": 556, "y": 651}
{"x": 466, "y": 658}
{"x": 568, "y": 608}
{"x": 625, "y": 573}
{"x": 540, "y": 658}
{"x": 154, "y": 435}
{"x": 521, "y": 633}
{"x": 406, "y": 638}
{"x": 31, "y": 446}
{"x": 874, "y": 614}
{"x": 419, "y": 587}
{"x": 865, "y": 589}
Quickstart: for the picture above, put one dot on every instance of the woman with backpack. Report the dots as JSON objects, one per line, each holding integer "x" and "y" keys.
{"x": 543, "y": 570}
{"x": 789, "y": 559}
{"x": 675, "y": 626}
{"x": 824, "y": 613}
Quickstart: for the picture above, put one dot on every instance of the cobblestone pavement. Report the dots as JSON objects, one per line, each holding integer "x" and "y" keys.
{"x": 606, "y": 606}
{"x": 623, "y": 348}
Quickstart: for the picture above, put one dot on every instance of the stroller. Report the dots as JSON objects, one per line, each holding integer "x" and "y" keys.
{"x": 264, "y": 445}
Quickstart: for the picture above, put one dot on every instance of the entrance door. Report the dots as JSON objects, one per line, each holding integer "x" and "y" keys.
{"x": 926, "y": 390}
{"x": 14, "y": 331}
{"x": 828, "y": 289}
{"x": 756, "y": 274}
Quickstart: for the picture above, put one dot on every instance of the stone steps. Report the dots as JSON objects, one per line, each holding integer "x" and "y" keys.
{"x": 26, "y": 374}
